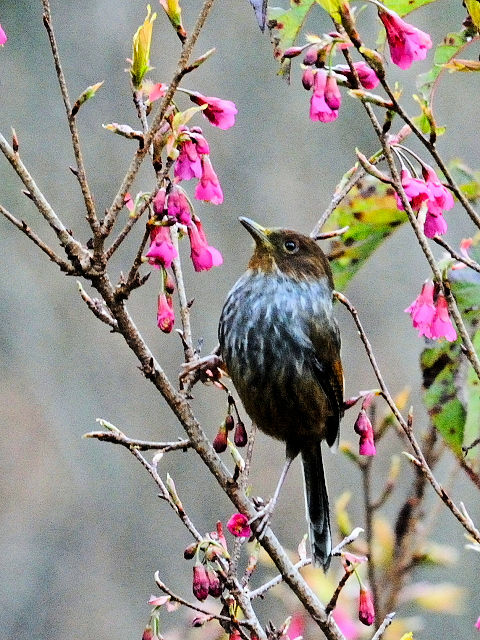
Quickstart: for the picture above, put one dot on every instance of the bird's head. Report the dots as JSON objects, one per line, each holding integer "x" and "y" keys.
{"x": 288, "y": 252}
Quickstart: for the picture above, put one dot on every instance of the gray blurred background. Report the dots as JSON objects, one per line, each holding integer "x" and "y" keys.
{"x": 81, "y": 528}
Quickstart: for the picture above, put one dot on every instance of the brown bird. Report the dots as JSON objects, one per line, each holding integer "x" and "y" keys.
{"x": 281, "y": 347}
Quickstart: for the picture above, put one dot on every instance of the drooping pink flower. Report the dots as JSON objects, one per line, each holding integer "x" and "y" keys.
{"x": 200, "y": 583}
{"x": 415, "y": 189}
{"x": 188, "y": 165}
{"x": 238, "y": 526}
{"x": 435, "y": 224}
{"x": 204, "y": 256}
{"x": 196, "y": 134}
{"x": 422, "y": 310}
{"x": 221, "y": 113}
{"x": 477, "y": 624}
{"x": 366, "y": 610}
{"x": 208, "y": 188}
{"x": 319, "y": 109}
{"x": 165, "y": 313}
{"x": 442, "y": 326}
{"x": 161, "y": 252}
{"x": 364, "y": 428}
{"x": 159, "y": 202}
{"x": 367, "y": 76}
{"x": 3, "y": 36}
{"x": 178, "y": 206}
{"x": 333, "y": 97}
{"x": 406, "y": 42}
{"x": 440, "y": 199}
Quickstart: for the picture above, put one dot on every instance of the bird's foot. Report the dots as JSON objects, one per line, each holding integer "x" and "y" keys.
{"x": 206, "y": 369}
{"x": 263, "y": 516}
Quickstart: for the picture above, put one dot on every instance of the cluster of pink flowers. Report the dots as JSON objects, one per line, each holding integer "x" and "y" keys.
{"x": 240, "y": 437}
{"x": 430, "y": 193}
{"x": 407, "y": 43}
{"x": 429, "y": 313}
{"x": 364, "y": 428}
{"x": 207, "y": 576}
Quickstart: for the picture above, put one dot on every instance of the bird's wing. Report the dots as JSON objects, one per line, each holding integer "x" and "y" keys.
{"x": 328, "y": 370}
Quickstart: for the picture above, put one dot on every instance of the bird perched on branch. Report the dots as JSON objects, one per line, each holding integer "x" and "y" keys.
{"x": 280, "y": 345}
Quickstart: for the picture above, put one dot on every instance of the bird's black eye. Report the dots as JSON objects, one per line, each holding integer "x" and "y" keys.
{"x": 291, "y": 246}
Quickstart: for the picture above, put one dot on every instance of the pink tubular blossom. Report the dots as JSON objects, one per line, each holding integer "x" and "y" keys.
{"x": 208, "y": 188}
{"x": 157, "y": 91}
{"x": 422, "y": 310}
{"x": 415, "y": 189}
{"x": 196, "y": 134}
{"x": 204, "y": 256}
{"x": 435, "y": 224}
{"x": 159, "y": 202}
{"x": 477, "y": 624}
{"x": 406, "y": 42}
{"x": 442, "y": 326}
{"x": 238, "y": 526}
{"x": 3, "y": 36}
{"x": 366, "y": 610}
{"x": 333, "y": 97}
{"x": 129, "y": 202}
{"x": 161, "y": 252}
{"x": 364, "y": 428}
{"x": 165, "y": 314}
{"x": 188, "y": 165}
{"x": 319, "y": 109}
{"x": 367, "y": 76}
{"x": 178, "y": 206}
{"x": 221, "y": 113}
{"x": 200, "y": 583}
{"x": 440, "y": 199}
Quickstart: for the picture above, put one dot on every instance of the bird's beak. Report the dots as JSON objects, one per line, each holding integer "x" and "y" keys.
{"x": 258, "y": 233}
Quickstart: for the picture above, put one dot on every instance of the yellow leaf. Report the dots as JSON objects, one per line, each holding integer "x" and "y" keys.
{"x": 473, "y": 8}
{"x": 141, "y": 49}
{"x": 462, "y": 65}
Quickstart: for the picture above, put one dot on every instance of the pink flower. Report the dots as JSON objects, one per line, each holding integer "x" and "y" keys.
{"x": 366, "y": 610}
{"x": 196, "y": 134}
{"x": 161, "y": 252}
{"x": 308, "y": 78}
{"x": 159, "y": 202}
{"x": 364, "y": 428}
{"x": 296, "y": 627}
{"x": 415, "y": 189}
{"x": 165, "y": 314}
{"x": 319, "y": 109}
{"x": 208, "y": 188}
{"x": 221, "y": 113}
{"x": 332, "y": 94}
{"x": 204, "y": 256}
{"x": 188, "y": 165}
{"x": 407, "y": 43}
{"x": 157, "y": 91}
{"x": 440, "y": 199}
{"x": 477, "y": 624}
{"x": 346, "y": 625}
{"x": 129, "y": 202}
{"x": 367, "y": 76}
{"x": 178, "y": 206}
{"x": 435, "y": 224}
{"x": 422, "y": 310}
{"x": 200, "y": 583}
{"x": 3, "y": 36}
{"x": 442, "y": 326}
{"x": 238, "y": 526}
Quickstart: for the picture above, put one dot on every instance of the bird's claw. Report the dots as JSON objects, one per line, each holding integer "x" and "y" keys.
{"x": 263, "y": 515}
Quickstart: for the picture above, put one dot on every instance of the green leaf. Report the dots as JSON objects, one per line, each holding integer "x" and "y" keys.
{"x": 402, "y": 7}
{"x": 370, "y": 211}
{"x": 284, "y": 28}
{"x": 332, "y": 7}
{"x": 466, "y": 178}
{"x": 451, "y": 386}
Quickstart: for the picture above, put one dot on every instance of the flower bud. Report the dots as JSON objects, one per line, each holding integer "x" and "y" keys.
{"x": 215, "y": 586}
{"x": 292, "y": 52}
{"x": 310, "y": 56}
{"x": 366, "y": 610}
{"x": 240, "y": 437}
{"x": 201, "y": 582}
{"x": 308, "y": 78}
{"x": 229, "y": 422}
{"x": 159, "y": 202}
{"x": 190, "y": 550}
{"x": 362, "y": 424}
{"x": 220, "y": 441}
{"x": 333, "y": 97}
{"x": 148, "y": 633}
{"x": 169, "y": 284}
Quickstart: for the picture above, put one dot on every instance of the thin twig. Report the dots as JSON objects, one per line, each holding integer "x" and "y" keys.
{"x": 23, "y": 226}
{"x": 72, "y": 123}
{"x": 457, "y": 256}
{"x": 382, "y": 628}
{"x": 182, "y": 298}
{"x": 261, "y": 591}
{"x": 343, "y": 581}
{"x": 97, "y": 308}
{"x": 141, "y": 445}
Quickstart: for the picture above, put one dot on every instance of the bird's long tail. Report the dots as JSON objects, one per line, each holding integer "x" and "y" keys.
{"x": 316, "y": 500}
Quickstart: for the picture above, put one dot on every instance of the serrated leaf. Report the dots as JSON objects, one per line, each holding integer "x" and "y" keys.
{"x": 285, "y": 26}
{"x": 451, "y": 387}
{"x": 402, "y": 7}
{"x": 370, "y": 211}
